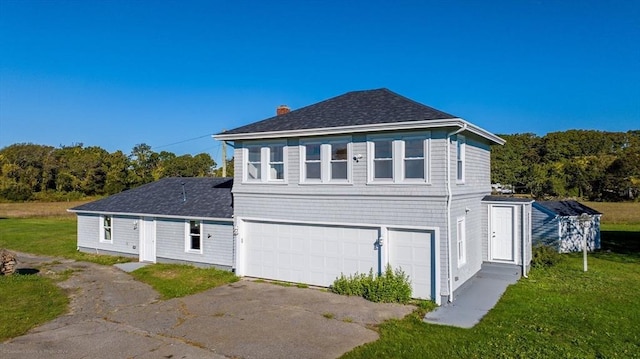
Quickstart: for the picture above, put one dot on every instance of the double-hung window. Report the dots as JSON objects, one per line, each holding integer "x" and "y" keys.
{"x": 265, "y": 162}
{"x": 106, "y": 229}
{"x": 193, "y": 240}
{"x": 460, "y": 158}
{"x": 399, "y": 159}
{"x": 326, "y": 161}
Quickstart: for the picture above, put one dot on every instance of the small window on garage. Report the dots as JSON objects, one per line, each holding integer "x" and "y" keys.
{"x": 194, "y": 236}
{"x": 106, "y": 229}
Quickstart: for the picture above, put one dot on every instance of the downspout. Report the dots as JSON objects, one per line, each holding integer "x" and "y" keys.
{"x": 449, "y": 198}
{"x": 523, "y": 233}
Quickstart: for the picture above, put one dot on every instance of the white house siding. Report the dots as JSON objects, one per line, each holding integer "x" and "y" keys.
{"x": 422, "y": 204}
{"x": 217, "y": 249}
{"x": 124, "y": 230}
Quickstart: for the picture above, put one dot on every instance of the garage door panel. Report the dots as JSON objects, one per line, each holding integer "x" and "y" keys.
{"x": 312, "y": 254}
{"x": 412, "y": 251}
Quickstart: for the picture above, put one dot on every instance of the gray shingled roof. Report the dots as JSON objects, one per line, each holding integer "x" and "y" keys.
{"x": 567, "y": 208}
{"x": 506, "y": 199}
{"x": 206, "y": 198}
{"x": 351, "y": 109}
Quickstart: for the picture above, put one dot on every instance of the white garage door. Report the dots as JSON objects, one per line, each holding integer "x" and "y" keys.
{"x": 311, "y": 254}
{"x": 412, "y": 251}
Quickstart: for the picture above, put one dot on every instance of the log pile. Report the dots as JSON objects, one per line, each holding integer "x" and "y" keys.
{"x": 8, "y": 262}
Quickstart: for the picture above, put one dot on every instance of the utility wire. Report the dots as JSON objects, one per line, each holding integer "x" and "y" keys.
{"x": 183, "y": 141}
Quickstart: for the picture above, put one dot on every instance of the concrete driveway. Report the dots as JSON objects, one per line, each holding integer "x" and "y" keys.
{"x": 113, "y": 316}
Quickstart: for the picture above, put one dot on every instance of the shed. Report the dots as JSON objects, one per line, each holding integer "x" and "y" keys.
{"x": 562, "y": 224}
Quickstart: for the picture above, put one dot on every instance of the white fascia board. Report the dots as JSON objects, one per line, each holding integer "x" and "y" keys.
{"x": 409, "y": 125}
{"x": 129, "y": 214}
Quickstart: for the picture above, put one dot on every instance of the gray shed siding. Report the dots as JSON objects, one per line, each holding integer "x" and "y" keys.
{"x": 216, "y": 250}
{"x": 125, "y": 235}
{"x": 359, "y": 202}
{"x": 565, "y": 233}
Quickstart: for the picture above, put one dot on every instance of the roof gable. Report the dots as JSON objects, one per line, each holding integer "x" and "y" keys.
{"x": 355, "y": 108}
{"x": 206, "y": 197}
{"x": 567, "y": 208}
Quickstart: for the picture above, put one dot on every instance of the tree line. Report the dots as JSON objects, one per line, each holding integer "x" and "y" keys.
{"x": 593, "y": 165}
{"x": 30, "y": 171}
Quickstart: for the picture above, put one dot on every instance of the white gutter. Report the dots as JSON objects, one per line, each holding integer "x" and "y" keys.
{"x": 132, "y": 214}
{"x": 523, "y": 233}
{"x": 396, "y": 126}
{"x": 463, "y": 126}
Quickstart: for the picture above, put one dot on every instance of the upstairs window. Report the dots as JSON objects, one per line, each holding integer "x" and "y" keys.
{"x": 276, "y": 162}
{"x": 265, "y": 163}
{"x": 312, "y": 161}
{"x": 326, "y": 162}
{"x": 460, "y": 158}
{"x": 339, "y": 160}
{"x": 254, "y": 163}
{"x": 414, "y": 166}
{"x": 382, "y": 159}
{"x": 106, "y": 229}
{"x": 194, "y": 236}
{"x": 401, "y": 159}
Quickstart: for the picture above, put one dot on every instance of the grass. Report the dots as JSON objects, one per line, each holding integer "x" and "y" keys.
{"x": 178, "y": 280}
{"x": 558, "y": 312}
{"x": 617, "y": 212}
{"x": 38, "y": 209}
{"x": 51, "y": 236}
{"x": 26, "y": 301}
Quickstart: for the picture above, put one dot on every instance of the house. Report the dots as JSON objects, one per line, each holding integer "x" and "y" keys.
{"x": 179, "y": 220}
{"x": 366, "y": 179}
{"x": 562, "y": 224}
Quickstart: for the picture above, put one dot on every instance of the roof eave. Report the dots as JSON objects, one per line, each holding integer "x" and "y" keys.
{"x": 396, "y": 126}
{"x": 148, "y": 215}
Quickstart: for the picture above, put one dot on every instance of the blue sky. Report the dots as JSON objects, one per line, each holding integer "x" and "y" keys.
{"x": 117, "y": 73}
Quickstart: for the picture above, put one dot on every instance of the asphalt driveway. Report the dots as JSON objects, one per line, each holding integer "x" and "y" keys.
{"x": 113, "y": 316}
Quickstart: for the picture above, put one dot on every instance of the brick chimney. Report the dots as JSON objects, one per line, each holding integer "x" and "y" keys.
{"x": 282, "y": 109}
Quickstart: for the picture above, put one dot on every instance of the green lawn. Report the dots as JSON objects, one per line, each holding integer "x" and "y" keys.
{"x": 49, "y": 237}
{"x": 175, "y": 280}
{"x": 558, "y": 312}
{"x": 26, "y": 301}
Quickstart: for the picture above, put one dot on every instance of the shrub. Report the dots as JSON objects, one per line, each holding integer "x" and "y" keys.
{"x": 393, "y": 286}
{"x": 545, "y": 256}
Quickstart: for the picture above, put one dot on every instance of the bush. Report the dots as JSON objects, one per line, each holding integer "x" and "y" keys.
{"x": 545, "y": 256}
{"x": 390, "y": 287}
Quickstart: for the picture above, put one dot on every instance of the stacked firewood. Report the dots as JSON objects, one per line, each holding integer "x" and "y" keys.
{"x": 8, "y": 262}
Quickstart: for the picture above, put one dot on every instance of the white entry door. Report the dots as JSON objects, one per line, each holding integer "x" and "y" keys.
{"x": 147, "y": 240}
{"x": 501, "y": 233}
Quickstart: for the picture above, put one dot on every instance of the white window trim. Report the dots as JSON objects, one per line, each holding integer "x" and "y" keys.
{"x": 397, "y": 155}
{"x": 102, "y": 231}
{"x": 461, "y": 241}
{"x": 325, "y": 161}
{"x": 187, "y": 236}
{"x": 461, "y": 143}
{"x": 265, "y": 162}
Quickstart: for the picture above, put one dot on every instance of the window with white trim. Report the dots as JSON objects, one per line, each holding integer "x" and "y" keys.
{"x": 106, "y": 229}
{"x": 326, "y": 161}
{"x": 265, "y": 162}
{"x": 462, "y": 242}
{"x": 193, "y": 240}
{"x": 460, "y": 158}
{"x": 402, "y": 159}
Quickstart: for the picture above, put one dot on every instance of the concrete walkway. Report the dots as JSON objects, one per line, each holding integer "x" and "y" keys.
{"x": 474, "y": 301}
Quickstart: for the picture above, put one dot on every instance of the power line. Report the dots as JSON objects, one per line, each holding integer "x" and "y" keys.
{"x": 183, "y": 141}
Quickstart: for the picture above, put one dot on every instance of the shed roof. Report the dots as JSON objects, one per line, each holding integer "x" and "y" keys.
{"x": 567, "y": 208}
{"x": 350, "y": 109}
{"x": 206, "y": 197}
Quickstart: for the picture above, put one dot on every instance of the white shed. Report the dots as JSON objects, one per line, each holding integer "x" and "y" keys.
{"x": 562, "y": 224}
